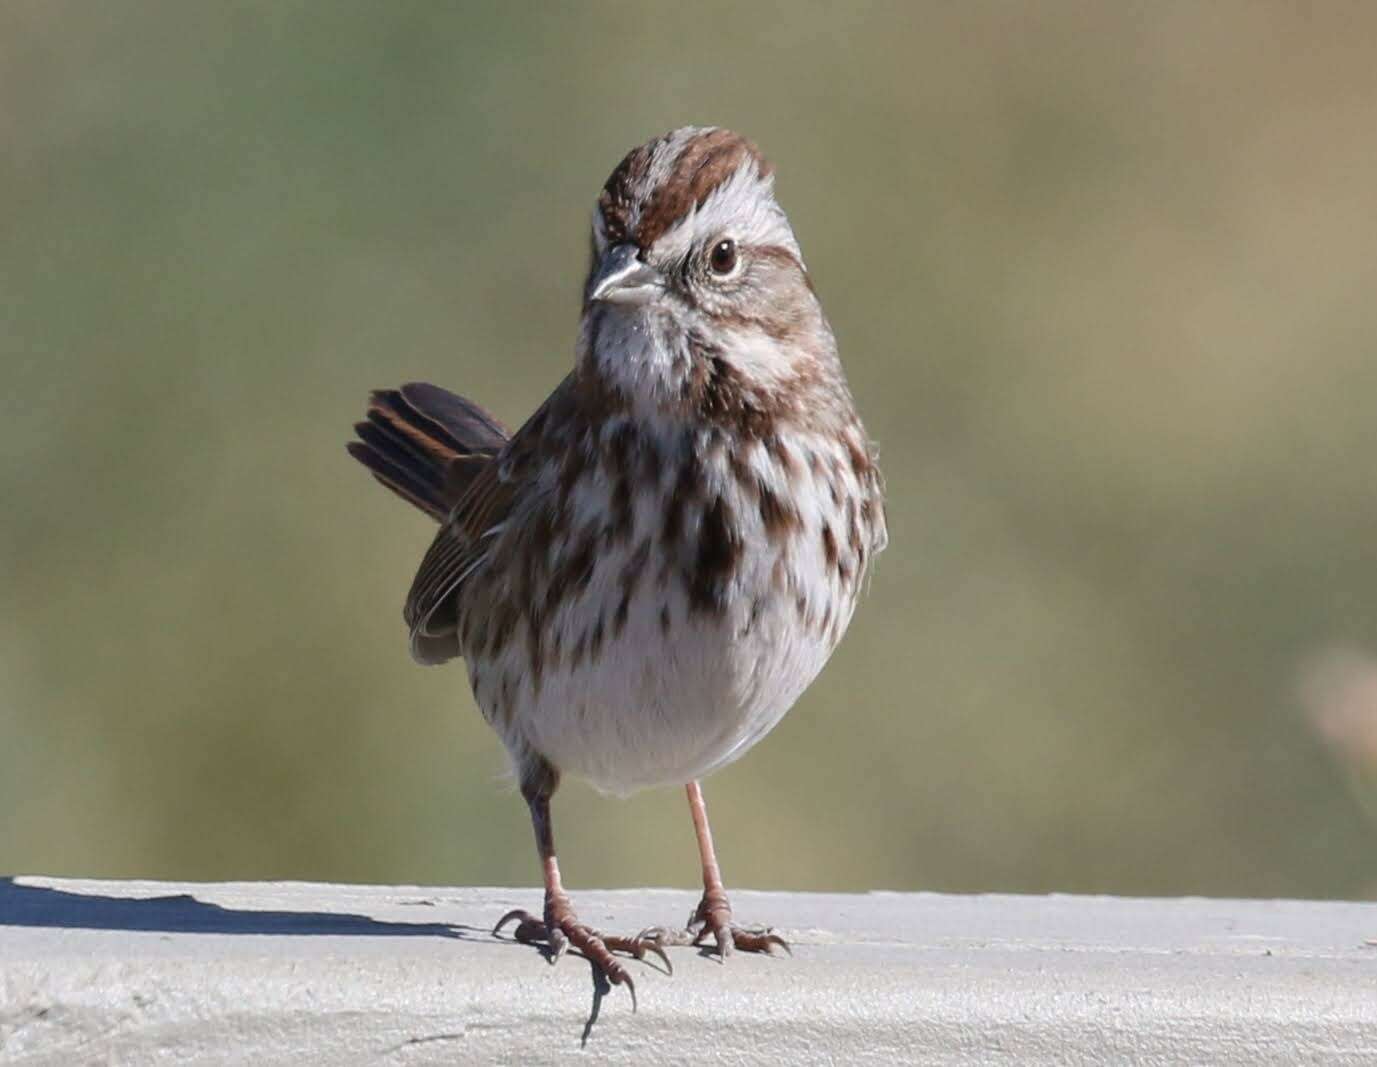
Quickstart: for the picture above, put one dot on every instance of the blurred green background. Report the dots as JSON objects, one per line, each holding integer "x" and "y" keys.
{"x": 1104, "y": 279}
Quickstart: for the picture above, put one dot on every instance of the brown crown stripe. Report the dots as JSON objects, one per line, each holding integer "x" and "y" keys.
{"x": 618, "y": 194}
{"x": 703, "y": 165}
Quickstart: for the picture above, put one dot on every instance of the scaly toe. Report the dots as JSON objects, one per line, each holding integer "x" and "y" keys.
{"x": 759, "y": 941}
{"x": 562, "y": 930}
{"x": 729, "y": 938}
{"x": 664, "y": 936}
{"x": 638, "y": 946}
{"x": 599, "y": 952}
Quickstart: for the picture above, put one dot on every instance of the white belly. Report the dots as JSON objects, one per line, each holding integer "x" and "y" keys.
{"x": 652, "y": 687}
{"x": 663, "y": 708}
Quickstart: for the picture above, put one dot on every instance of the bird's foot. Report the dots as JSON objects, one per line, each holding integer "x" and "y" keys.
{"x": 561, "y": 929}
{"x": 714, "y": 916}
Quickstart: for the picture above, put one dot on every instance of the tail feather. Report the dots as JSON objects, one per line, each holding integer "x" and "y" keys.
{"x": 392, "y": 465}
{"x": 426, "y": 444}
{"x": 469, "y": 427}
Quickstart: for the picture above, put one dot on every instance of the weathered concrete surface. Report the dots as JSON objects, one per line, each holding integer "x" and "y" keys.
{"x": 144, "y": 972}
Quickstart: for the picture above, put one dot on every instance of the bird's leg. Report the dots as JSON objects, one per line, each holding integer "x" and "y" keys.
{"x": 560, "y": 927}
{"x": 714, "y": 912}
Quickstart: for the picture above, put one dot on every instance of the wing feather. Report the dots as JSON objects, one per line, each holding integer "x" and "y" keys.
{"x": 465, "y": 540}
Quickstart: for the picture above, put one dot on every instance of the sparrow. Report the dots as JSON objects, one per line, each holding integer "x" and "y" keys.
{"x": 647, "y": 574}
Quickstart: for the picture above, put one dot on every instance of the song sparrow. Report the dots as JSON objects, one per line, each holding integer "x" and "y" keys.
{"x": 647, "y": 574}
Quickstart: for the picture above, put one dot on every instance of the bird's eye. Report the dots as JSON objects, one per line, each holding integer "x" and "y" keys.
{"x": 723, "y": 257}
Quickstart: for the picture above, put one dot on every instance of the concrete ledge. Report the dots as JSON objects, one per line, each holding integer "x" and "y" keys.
{"x": 132, "y": 972}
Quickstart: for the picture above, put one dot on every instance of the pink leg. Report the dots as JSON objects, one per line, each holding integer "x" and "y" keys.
{"x": 714, "y": 912}
{"x": 559, "y": 927}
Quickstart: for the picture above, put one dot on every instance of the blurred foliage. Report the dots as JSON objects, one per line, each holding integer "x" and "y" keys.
{"x": 1103, "y": 277}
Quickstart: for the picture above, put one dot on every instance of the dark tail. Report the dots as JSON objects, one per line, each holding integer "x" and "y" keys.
{"x": 426, "y": 444}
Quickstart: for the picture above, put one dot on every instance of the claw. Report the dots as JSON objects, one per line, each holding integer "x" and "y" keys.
{"x": 529, "y": 929}
{"x": 559, "y": 944}
{"x": 731, "y": 938}
{"x": 653, "y": 947}
{"x": 515, "y": 913}
{"x": 563, "y": 929}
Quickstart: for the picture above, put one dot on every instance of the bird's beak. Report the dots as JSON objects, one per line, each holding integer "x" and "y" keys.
{"x": 624, "y": 278}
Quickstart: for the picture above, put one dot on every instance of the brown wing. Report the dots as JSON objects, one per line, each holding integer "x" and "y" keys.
{"x": 467, "y": 537}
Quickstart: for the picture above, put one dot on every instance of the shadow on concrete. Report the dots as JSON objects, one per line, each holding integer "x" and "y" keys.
{"x": 181, "y": 913}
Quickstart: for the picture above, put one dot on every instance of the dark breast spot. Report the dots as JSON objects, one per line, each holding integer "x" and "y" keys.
{"x": 650, "y": 462}
{"x": 572, "y": 466}
{"x": 860, "y": 462}
{"x": 688, "y": 487}
{"x": 574, "y": 571}
{"x": 622, "y": 513}
{"x": 829, "y": 545}
{"x": 718, "y": 556}
{"x": 782, "y": 454}
{"x": 779, "y": 515}
{"x": 595, "y": 640}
